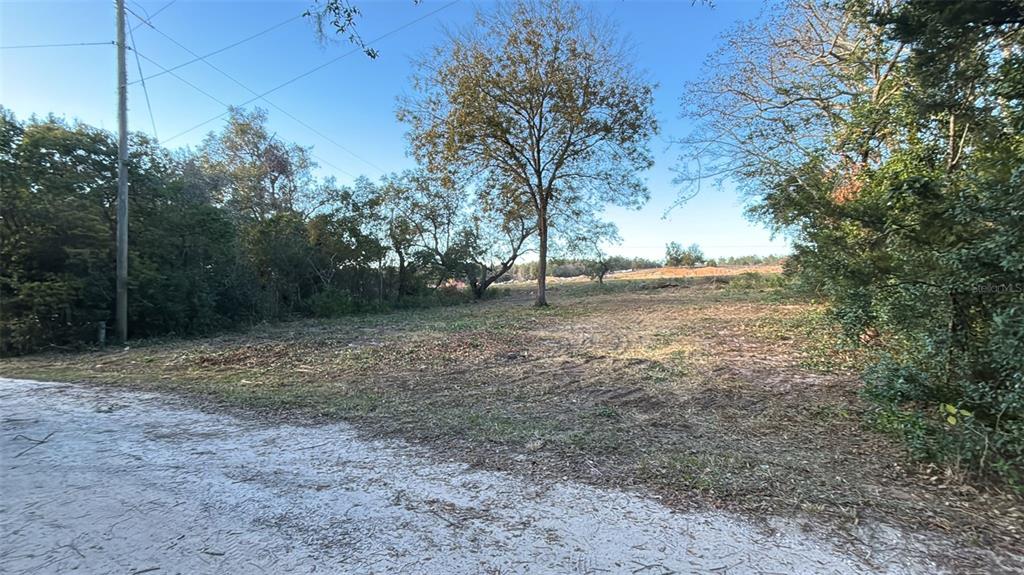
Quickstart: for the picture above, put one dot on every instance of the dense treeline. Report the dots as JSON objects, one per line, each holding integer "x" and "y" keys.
{"x": 566, "y": 267}
{"x": 748, "y": 260}
{"x": 235, "y": 232}
{"x": 888, "y": 140}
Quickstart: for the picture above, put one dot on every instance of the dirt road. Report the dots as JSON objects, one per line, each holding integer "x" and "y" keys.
{"x": 100, "y": 480}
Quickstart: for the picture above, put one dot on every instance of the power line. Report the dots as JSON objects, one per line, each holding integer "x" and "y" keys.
{"x": 141, "y": 7}
{"x": 22, "y": 46}
{"x": 154, "y": 14}
{"x": 272, "y": 104}
{"x": 319, "y": 158}
{"x": 145, "y": 90}
{"x": 219, "y": 50}
{"x": 190, "y": 84}
{"x": 164, "y": 7}
{"x": 318, "y": 68}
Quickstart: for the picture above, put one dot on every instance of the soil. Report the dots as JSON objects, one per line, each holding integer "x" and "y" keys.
{"x": 113, "y": 481}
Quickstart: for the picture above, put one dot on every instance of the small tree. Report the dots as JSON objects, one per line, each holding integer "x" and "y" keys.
{"x": 585, "y": 242}
{"x": 453, "y": 234}
{"x": 498, "y": 241}
{"x": 541, "y": 97}
{"x": 677, "y": 255}
{"x": 398, "y": 207}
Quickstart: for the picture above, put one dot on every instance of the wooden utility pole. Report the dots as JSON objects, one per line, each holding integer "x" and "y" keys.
{"x": 122, "y": 180}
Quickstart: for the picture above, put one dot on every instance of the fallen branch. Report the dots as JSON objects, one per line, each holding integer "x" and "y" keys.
{"x": 36, "y": 442}
{"x": 313, "y": 446}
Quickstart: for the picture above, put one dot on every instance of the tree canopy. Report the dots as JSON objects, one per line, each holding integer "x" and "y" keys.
{"x": 886, "y": 139}
{"x": 235, "y": 232}
{"x": 539, "y": 106}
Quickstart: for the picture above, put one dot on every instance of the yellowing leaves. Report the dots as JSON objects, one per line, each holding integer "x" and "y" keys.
{"x": 952, "y": 412}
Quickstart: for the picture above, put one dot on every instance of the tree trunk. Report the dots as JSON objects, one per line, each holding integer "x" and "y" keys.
{"x": 542, "y": 261}
{"x": 380, "y": 274}
{"x": 401, "y": 274}
{"x": 478, "y": 289}
{"x": 480, "y": 285}
{"x": 959, "y": 336}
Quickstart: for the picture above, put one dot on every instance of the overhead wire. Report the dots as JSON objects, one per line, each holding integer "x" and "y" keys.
{"x": 141, "y": 7}
{"x": 106, "y": 43}
{"x": 185, "y": 81}
{"x": 164, "y": 7}
{"x": 272, "y": 104}
{"x": 219, "y": 50}
{"x": 226, "y": 105}
{"x": 138, "y": 65}
{"x": 154, "y": 14}
{"x": 318, "y": 68}
{"x": 67, "y": 45}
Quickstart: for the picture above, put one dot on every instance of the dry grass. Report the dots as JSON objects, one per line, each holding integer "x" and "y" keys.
{"x": 668, "y": 273}
{"x": 682, "y": 272}
{"x": 706, "y": 393}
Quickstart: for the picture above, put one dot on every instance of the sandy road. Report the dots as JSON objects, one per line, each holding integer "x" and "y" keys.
{"x": 139, "y": 483}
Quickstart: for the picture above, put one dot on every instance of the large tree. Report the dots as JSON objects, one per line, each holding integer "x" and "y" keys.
{"x": 540, "y": 97}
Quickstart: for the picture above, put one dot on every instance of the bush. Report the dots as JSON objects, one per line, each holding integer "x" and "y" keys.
{"x": 754, "y": 280}
{"x": 332, "y": 302}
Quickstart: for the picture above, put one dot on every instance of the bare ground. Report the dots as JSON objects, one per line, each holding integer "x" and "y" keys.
{"x": 103, "y": 480}
{"x": 707, "y": 395}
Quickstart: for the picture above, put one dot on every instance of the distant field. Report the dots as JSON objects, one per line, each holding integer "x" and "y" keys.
{"x": 730, "y": 394}
{"x": 672, "y": 272}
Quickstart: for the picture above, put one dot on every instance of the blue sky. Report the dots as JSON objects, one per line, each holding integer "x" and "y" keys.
{"x": 352, "y": 100}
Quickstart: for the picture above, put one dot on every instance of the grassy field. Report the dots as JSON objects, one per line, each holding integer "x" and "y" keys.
{"x": 723, "y": 392}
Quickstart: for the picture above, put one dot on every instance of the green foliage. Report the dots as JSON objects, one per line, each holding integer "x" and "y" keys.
{"x": 500, "y": 106}
{"x": 238, "y": 232}
{"x": 621, "y": 263}
{"x": 57, "y": 251}
{"x": 904, "y": 202}
{"x": 332, "y": 302}
{"x": 573, "y": 267}
{"x": 748, "y": 260}
{"x": 754, "y": 280}
{"x": 678, "y": 256}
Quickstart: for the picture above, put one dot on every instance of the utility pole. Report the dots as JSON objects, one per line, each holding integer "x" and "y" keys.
{"x": 122, "y": 180}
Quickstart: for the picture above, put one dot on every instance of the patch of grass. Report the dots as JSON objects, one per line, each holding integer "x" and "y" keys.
{"x": 605, "y": 412}
{"x": 820, "y": 343}
{"x": 485, "y": 427}
{"x": 685, "y": 472}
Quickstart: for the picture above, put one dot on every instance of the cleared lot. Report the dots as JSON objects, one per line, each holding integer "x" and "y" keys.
{"x": 705, "y": 394}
